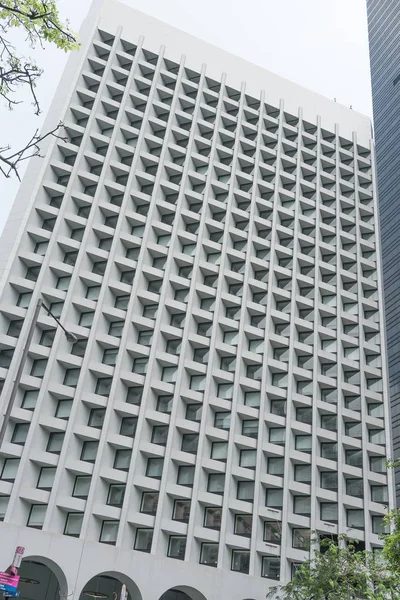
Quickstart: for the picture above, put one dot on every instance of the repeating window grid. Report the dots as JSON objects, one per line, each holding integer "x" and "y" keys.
{"x": 191, "y": 300}
{"x": 223, "y": 554}
{"x": 271, "y": 269}
{"x": 317, "y": 322}
{"x": 231, "y": 482}
{"x": 164, "y": 296}
{"x": 91, "y": 220}
{"x": 339, "y": 406}
{"x": 362, "y": 364}
{"x": 42, "y": 274}
{"x": 118, "y": 367}
{"x": 242, "y": 339}
{"x": 286, "y": 508}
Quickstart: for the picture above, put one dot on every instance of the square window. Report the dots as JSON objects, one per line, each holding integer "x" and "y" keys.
{"x": 212, "y": 517}
{"x": 302, "y": 473}
{"x": 277, "y": 435}
{"x": 150, "y": 311}
{"x": 168, "y": 374}
{"x": 29, "y": 399}
{"x": 302, "y": 505}
{"x": 275, "y": 465}
{"x": 79, "y": 348}
{"x": 252, "y": 399}
{"x": 116, "y": 328}
{"x": 89, "y": 451}
{"x": 144, "y": 539}
{"x": 355, "y": 518}
{"x": 47, "y": 338}
{"x": 122, "y": 459}
{"x": 160, "y": 435}
{"x": 181, "y": 510}
{"x": 110, "y": 356}
{"x": 248, "y": 459}
{"x": 250, "y": 428}
{"x": 10, "y": 469}
{"x": 216, "y": 483}
{"x": 301, "y": 538}
{"x": 86, "y": 319}
{"x": 39, "y": 367}
{"x": 209, "y": 554}
{"x": 245, "y": 491}
{"x": 24, "y": 299}
{"x": 190, "y": 442}
{"x": 96, "y": 417}
{"x": 155, "y": 467}
{"x": 222, "y": 420}
{"x": 185, "y": 475}
{"x": 73, "y": 524}
{"x": 128, "y": 426}
{"x": 378, "y": 464}
{"x": 149, "y": 503}
{"x": 103, "y": 386}
{"x": 46, "y": 478}
{"x": 20, "y": 433}
{"x": 63, "y": 409}
{"x": 145, "y": 337}
{"x": 274, "y": 498}
{"x": 193, "y": 412}
{"x": 71, "y": 377}
{"x": 164, "y": 404}
{"x": 271, "y": 567}
{"x": 329, "y": 480}
{"x": 378, "y": 525}
{"x": 240, "y": 561}
{"x": 219, "y": 451}
{"x": 116, "y": 494}
{"x": 197, "y": 383}
{"x": 139, "y": 365}
{"x": 109, "y": 532}
{"x": 329, "y": 450}
{"x": 303, "y": 443}
{"x": 329, "y": 512}
{"x": 273, "y": 532}
{"x": 134, "y": 395}
{"x": 55, "y": 442}
{"x": 177, "y": 547}
{"x": 36, "y": 516}
{"x": 81, "y": 486}
{"x": 243, "y": 525}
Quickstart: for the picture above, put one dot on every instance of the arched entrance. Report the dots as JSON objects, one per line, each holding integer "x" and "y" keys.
{"x": 183, "y": 592}
{"x": 107, "y": 586}
{"x": 41, "y": 579}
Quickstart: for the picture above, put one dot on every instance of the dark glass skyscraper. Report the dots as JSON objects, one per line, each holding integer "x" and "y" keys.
{"x": 384, "y": 42}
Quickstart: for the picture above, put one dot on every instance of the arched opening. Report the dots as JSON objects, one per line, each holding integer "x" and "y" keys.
{"x": 107, "y": 586}
{"x": 41, "y": 579}
{"x": 183, "y": 592}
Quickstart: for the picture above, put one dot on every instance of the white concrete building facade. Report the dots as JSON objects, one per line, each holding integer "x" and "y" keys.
{"x": 208, "y": 231}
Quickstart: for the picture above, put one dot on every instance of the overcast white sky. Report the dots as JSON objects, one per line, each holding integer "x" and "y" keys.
{"x": 320, "y": 44}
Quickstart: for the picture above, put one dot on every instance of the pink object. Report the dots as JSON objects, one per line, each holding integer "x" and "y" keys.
{"x": 7, "y": 579}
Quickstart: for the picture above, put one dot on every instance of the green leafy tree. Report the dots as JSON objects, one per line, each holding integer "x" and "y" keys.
{"x": 391, "y": 541}
{"x": 40, "y": 22}
{"x": 340, "y": 572}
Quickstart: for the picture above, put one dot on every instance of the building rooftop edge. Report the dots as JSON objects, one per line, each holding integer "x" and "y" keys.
{"x": 177, "y": 42}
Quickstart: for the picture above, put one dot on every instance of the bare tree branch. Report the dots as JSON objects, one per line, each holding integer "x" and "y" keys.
{"x": 40, "y": 21}
{"x": 11, "y": 161}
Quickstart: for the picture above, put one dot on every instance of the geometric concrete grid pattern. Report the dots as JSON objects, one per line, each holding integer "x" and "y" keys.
{"x": 217, "y": 258}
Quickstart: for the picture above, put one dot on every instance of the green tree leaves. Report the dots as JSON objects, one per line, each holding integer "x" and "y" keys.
{"x": 340, "y": 572}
